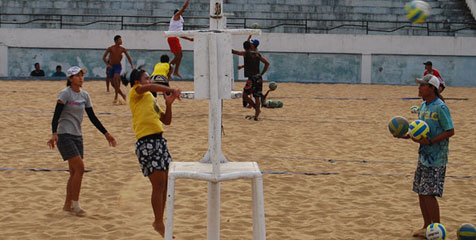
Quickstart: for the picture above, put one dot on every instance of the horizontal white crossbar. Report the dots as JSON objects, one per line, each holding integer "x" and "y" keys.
{"x": 191, "y": 94}
{"x": 193, "y": 32}
{"x": 203, "y": 171}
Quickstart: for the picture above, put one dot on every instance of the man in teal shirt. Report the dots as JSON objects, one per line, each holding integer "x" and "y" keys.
{"x": 437, "y": 115}
{"x": 433, "y": 152}
{"x": 58, "y": 72}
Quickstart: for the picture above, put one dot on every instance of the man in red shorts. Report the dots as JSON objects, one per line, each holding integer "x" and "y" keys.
{"x": 176, "y": 24}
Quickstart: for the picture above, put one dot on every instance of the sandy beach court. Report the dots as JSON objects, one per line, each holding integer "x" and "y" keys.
{"x": 331, "y": 168}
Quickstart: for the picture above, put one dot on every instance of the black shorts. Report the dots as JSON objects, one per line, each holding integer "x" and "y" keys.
{"x": 70, "y": 146}
{"x": 153, "y": 154}
{"x": 254, "y": 85}
{"x": 161, "y": 80}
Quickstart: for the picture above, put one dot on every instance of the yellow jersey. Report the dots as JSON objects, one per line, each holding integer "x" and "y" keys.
{"x": 145, "y": 113}
{"x": 161, "y": 69}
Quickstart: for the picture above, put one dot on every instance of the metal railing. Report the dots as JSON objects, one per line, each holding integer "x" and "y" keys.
{"x": 132, "y": 22}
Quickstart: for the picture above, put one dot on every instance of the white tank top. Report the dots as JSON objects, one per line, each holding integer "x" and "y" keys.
{"x": 176, "y": 25}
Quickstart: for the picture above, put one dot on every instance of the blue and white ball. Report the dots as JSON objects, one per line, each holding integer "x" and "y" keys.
{"x": 436, "y": 231}
{"x": 419, "y": 129}
{"x": 417, "y": 11}
{"x": 414, "y": 109}
{"x": 467, "y": 231}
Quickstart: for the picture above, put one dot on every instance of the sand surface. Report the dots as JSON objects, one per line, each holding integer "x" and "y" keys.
{"x": 358, "y": 184}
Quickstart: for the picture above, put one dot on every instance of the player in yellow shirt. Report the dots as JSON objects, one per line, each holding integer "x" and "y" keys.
{"x": 162, "y": 72}
{"x": 151, "y": 147}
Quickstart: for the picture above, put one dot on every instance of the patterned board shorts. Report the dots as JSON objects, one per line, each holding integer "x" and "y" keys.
{"x": 429, "y": 180}
{"x": 153, "y": 154}
{"x": 254, "y": 85}
{"x": 70, "y": 146}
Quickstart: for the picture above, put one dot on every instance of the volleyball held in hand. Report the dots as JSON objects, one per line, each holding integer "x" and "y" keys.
{"x": 436, "y": 231}
{"x": 398, "y": 126}
{"x": 272, "y": 86}
{"x": 417, "y": 11}
{"x": 414, "y": 109}
{"x": 467, "y": 231}
{"x": 254, "y": 26}
{"x": 419, "y": 129}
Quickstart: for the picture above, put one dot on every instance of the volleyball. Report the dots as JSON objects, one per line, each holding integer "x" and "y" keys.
{"x": 436, "y": 231}
{"x": 398, "y": 126}
{"x": 254, "y": 25}
{"x": 467, "y": 231}
{"x": 419, "y": 129}
{"x": 274, "y": 104}
{"x": 417, "y": 11}
{"x": 414, "y": 109}
{"x": 272, "y": 86}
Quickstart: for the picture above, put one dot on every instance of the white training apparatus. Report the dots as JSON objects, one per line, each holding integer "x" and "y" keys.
{"x": 213, "y": 79}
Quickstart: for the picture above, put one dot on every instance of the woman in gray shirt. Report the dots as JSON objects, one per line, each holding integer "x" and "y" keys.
{"x": 67, "y": 135}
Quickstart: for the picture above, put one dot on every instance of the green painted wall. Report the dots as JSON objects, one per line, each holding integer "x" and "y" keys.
{"x": 403, "y": 69}
{"x": 289, "y": 67}
{"x": 285, "y": 67}
{"x": 21, "y": 60}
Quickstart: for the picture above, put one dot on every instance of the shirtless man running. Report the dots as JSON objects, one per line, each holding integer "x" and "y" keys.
{"x": 114, "y": 65}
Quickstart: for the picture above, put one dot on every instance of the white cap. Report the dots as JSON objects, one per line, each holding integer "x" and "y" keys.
{"x": 429, "y": 79}
{"x": 75, "y": 70}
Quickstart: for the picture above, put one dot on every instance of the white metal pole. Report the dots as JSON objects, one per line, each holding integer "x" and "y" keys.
{"x": 214, "y": 143}
{"x": 214, "y": 123}
{"x": 213, "y": 213}
{"x": 259, "y": 231}
{"x": 169, "y": 215}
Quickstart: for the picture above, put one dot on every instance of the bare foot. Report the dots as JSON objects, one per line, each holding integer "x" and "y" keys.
{"x": 159, "y": 227}
{"x": 67, "y": 208}
{"x": 420, "y": 233}
{"x": 178, "y": 75}
{"x": 115, "y": 101}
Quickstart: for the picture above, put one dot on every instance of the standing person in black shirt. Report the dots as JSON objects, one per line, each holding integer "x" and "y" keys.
{"x": 254, "y": 84}
{"x": 37, "y": 72}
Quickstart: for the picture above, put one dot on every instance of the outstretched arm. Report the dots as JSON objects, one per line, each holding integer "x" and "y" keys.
{"x": 240, "y": 53}
{"x": 177, "y": 15}
{"x": 156, "y": 88}
{"x": 188, "y": 38}
{"x": 129, "y": 58}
